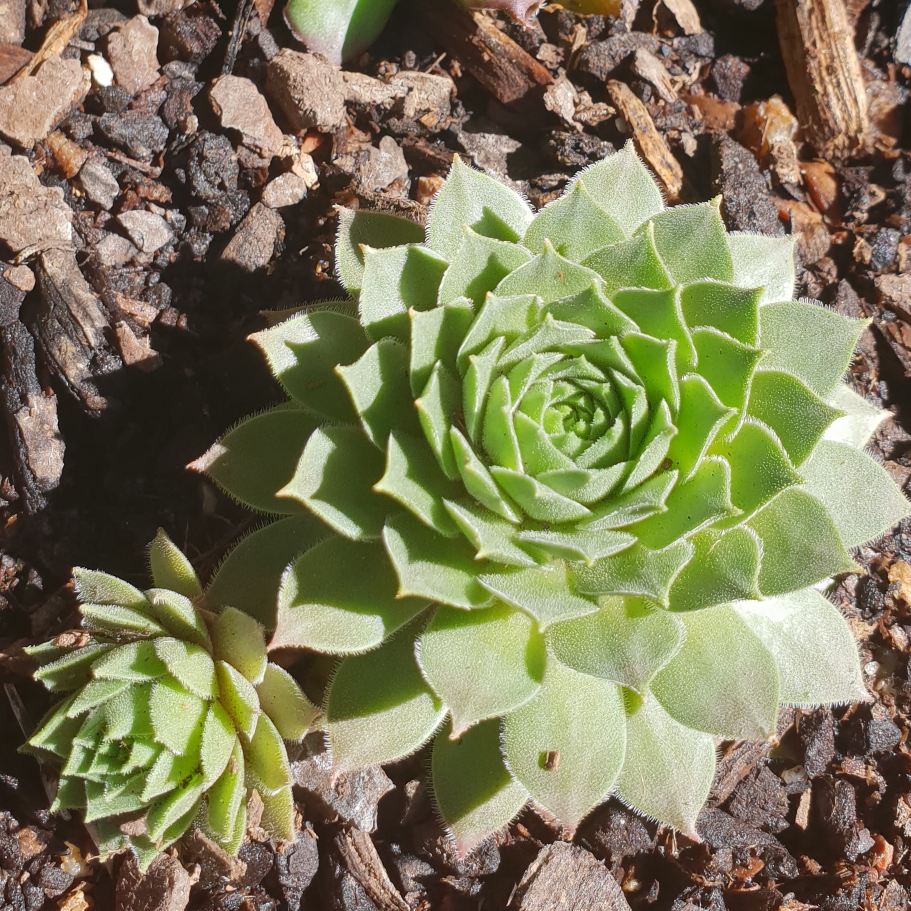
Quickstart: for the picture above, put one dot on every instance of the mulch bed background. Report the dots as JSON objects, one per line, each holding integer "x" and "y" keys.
{"x": 820, "y": 819}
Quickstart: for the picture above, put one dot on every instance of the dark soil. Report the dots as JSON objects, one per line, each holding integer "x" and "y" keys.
{"x": 101, "y": 422}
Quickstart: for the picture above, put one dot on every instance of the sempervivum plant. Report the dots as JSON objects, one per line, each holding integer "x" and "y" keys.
{"x": 170, "y": 716}
{"x": 560, "y": 489}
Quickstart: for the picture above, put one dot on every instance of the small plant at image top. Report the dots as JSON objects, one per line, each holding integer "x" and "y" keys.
{"x": 170, "y": 716}
{"x": 342, "y": 29}
{"x": 560, "y": 491}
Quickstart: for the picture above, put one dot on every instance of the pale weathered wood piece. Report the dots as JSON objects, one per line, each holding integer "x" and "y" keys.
{"x": 817, "y": 44}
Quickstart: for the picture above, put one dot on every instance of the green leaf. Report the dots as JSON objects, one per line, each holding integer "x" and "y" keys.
{"x": 341, "y": 597}
{"x": 547, "y": 594}
{"x": 591, "y": 308}
{"x": 623, "y": 188}
{"x": 133, "y": 661}
{"x": 470, "y": 198}
{"x": 379, "y": 388}
{"x": 379, "y": 708}
{"x": 538, "y": 500}
{"x": 653, "y": 360}
{"x": 857, "y": 492}
{"x": 437, "y": 335}
{"x": 784, "y": 329}
{"x": 691, "y": 505}
{"x": 637, "y": 571}
{"x": 267, "y": 761}
{"x": 251, "y": 574}
{"x": 499, "y": 318}
{"x": 303, "y": 353}
{"x": 698, "y": 421}
{"x": 481, "y": 663}
{"x": 645, "y": 500}
{"x": 668, "y": 768}
{"x": 239, "y": 639}
{"x": 725, "y": 567}
{"x": 798, "y": 416}
{"x": 432, "y": 567}
{"x": 117, "y": 621}
{"x": 493, "y": 538}
{"x": 800, "y": 543}
{"x": 177, "y": 715}
{"x": 189, "y": 664}
{"x": 437, "y": 406}
{"x": 178, "y": 616}
{"x": 414, "y": 479}
{"x": 692, "y": 243}
{"x": 634, "y": 263}
{"x": 70, "y": 795}
{"x": 338, "y": 31}
{"x": 566, "y": 745}
{"x": 273, "y": 441}
{"x": 395, "y": 281}
{"x": 812, "y": 647}
{"x": 285, "y": 703}
{"x": 498, "y": 436}
{"x": 625, "y": 641}
{"x": 860, "y": 418}
{"x": 472, "y": 787}
{"x": 478, "y": 480}
{"x": 334, "y": 480}
{"x": 658, "y": 314}
{"x": 170, "y": 568}
{"x": 577, "y": 544}
{"x": 479, "y": 265}
{"x": 278, "y": 814}
{"x": 357, "y": 229}
{"x": 549, "y": 276}
{"x": 574, "y": 224}
{"x": 57, "y": 729}
{"x": 226, "y": 800}
{"x": 727, "y": 365}
{"x": 99, "y": 588}
{"x": 723, "y": 680}
{"x": 93, "y": 694}
{"x": 760, "y": 468}
{"x": 238, "y": 697}
{"x": 764, "y": 262}
{"x": 129, "y": 715}
{"x": 731, "y": 310}
{"x": 175, "y": 810}
{"x": 218, "y": 741}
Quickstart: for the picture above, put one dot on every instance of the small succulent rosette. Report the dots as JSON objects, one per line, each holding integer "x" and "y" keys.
{"x": 559, "y": 490}
{"x": 171, "y": 717}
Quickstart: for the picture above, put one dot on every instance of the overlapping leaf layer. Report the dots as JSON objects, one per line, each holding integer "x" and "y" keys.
{"x": 171, "y": 717}
{"x": 559, "y": 486}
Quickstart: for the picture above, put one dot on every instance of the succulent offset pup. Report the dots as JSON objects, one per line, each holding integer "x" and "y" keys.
{"x": 171, "y": 716}
{"x": 342, "y": 29}
{"x": 559, "y": 490}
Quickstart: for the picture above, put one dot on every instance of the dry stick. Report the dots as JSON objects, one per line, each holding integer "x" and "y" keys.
{"x": 817, "y": 44}
{"x": 502, "y": 67}
{"x": 57, "y": 38}
{"x": 648, "y": 140}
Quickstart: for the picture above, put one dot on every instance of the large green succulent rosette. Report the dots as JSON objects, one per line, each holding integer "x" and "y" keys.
{"x": 170, "y": 716}
{"x": 559, "y": 489}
